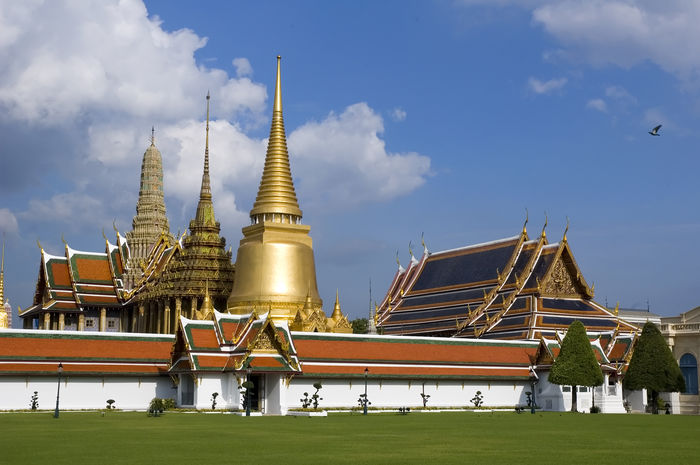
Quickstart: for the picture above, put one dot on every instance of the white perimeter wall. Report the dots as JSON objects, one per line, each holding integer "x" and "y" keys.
{"x": 226, "y": 385}
{"x": 344, "y": 393}
{"x": 84, "y": 392}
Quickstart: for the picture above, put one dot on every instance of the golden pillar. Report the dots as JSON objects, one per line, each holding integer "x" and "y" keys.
{"x": 47, "y": 320}
{"x": 142, "y": 319}
{"x": 103, "y": 319}
{"x": 194, "y": 306}
{"x": 178, "y": 312}
{"x": 275, "y": 261}
{"x": 61, "y": 321}
{"x": 166, "y": 317}
{"x": 81, "y": 322}
{"x": 134, "y": 320}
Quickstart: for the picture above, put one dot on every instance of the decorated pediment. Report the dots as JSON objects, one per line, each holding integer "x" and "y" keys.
{"x": 564, "y": 279}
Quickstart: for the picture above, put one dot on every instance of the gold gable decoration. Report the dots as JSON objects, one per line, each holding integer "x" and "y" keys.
{"x": 560, "y": 282}
{"x": 264, "y": 342}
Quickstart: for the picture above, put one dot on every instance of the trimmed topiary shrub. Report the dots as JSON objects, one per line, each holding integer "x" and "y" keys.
{"x": 576, "y": 364}
{"x": 653, "y": 366}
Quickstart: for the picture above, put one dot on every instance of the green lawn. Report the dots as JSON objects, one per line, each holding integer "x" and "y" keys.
{"x": 439, "y": 438}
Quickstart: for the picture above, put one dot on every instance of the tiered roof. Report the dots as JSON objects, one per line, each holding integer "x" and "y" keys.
{"x": 198, "y": 261}
{"x": 612, "y": 349}
{"x": 150, "y": 220}
{"x": 513, "y": 288}
{"x": 25, "y": 352}
{"x": 238, "y": 342}
{"x": 233, "y": 343}
{"x": 76, "y": 280}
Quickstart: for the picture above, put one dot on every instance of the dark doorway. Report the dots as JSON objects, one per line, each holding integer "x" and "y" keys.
{"x": 255, "y": 392}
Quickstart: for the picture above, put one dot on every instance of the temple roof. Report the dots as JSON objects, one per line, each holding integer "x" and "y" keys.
{"x": 233, "y": 343}
{"x": 79, "y": 279}
{"x": 513, "y": 288}
{"x": 30, "y": 352}
{"x": 335, "y": 355}
{"x": 198, "y": 261}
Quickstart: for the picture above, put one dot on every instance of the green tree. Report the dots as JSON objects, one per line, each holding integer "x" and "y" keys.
{"x": 359, "y": 325}
{"x": 576, "y": 364}
{"x": 653, "y": 366}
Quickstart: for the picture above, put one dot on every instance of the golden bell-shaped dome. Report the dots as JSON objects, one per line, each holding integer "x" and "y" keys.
{"x": 275, "y": 260}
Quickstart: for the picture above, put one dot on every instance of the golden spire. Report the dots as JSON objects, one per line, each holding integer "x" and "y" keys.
{"x": 153, "y": 136}
{"x": 207, "y": 307}
{"x": 2, "y": 274}
{"x": 206, "y": 184}
{"x": 276, "y": 195}
{"x": 205, "y": 207}
{"x": 336, "y": 309}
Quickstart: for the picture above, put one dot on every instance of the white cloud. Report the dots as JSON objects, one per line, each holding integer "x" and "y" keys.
{"x": 95, "y": 59}
{"x": 8, "y": 222}
{"x": 597, "y": 104}
{"x": 243, "y": 67}
{"x": 102, "y": 73}
{"x": 546, "y": 87}
{"x": 620, "y": 94}
{"x": 627, "y": 32}
{"x": 398, "y": 114}
{"x": 72, "y": 208}
{"x": 342, "y": 160}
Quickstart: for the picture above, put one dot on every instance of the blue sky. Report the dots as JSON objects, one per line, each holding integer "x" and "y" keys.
{"x": 448, "y": 118}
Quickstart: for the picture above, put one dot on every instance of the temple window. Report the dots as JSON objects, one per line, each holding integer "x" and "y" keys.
{"x": 689, "y": 368}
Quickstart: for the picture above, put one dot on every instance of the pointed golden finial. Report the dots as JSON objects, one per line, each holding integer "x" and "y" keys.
{"x": 39, "y": 245}
{"x": 410, "y": 248}
{"x": 567, "y": 229}
{"x": 544, "y": 232}
{"x": 205, "y": 191}
{"x": 63, "y": 239}
{"x": 617, "y": 308}
{"x": 104, "y": 235}
{"x": 153, "y": 135}
{"x": 207, "y": 307}
{"x": 276, "y": 196}
{"x": 2, "y": 273}
{"x": 527, "y": 218}
{"x": 336, "y": 308}
{"x": 114, "y": 225}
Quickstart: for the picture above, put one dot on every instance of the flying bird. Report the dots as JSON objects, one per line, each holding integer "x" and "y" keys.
{"x": 655, "y": 131}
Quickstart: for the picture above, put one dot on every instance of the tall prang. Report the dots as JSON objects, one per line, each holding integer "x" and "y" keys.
{"x": 150, "y": 220}
{"x": 191, "y": 276}
{"x": 275, "y": 269}
{"x": 5, "y": 308}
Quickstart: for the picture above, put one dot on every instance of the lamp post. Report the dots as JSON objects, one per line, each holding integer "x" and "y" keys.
{"x": 58, "y": 390}
{"x": 247, "y": 391}
{"x": 364, "y": 406}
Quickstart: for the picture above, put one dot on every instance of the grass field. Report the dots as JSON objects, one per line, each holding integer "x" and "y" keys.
{"x": 388, "y": 438}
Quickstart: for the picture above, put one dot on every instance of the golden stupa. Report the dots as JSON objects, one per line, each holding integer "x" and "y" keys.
{"x": 275, "y": 268}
